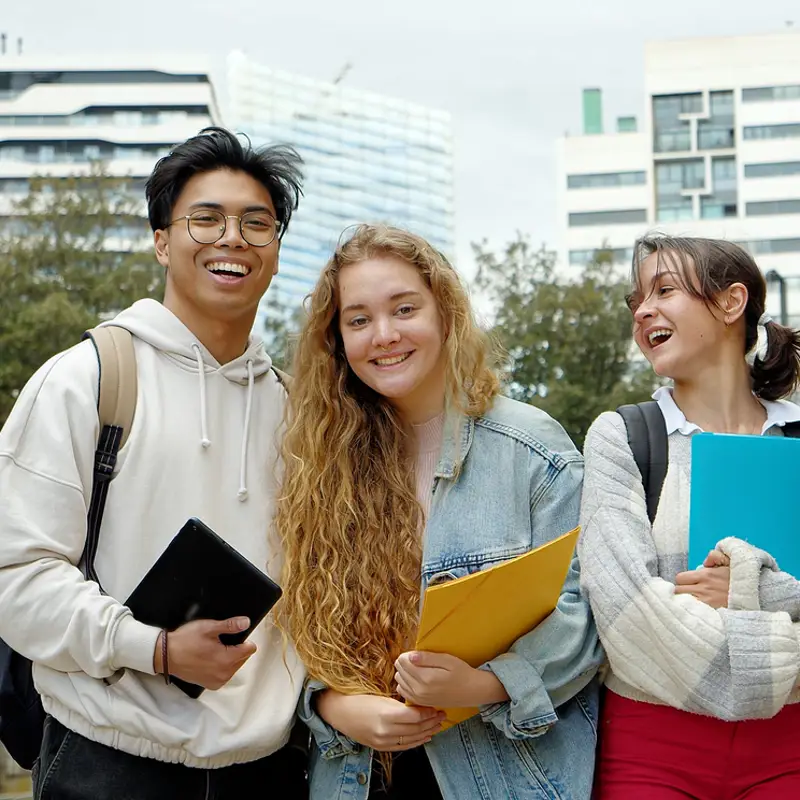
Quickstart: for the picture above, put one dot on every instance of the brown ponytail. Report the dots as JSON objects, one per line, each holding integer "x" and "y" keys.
{"x": 778, "y": 374}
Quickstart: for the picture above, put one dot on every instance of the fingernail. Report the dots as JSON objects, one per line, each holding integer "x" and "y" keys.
{"x": 242, "y": 623}
{"x": 413, "y": 658}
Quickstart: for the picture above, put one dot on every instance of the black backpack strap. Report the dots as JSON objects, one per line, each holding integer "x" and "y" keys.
{"x": 116, "y": 408}
{"x": 792, "y": 430}
{"x": 647, "y": 437}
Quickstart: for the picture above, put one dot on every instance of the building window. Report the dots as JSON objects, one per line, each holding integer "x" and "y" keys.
{"x": 711, "y": 209}
{"x": 627, "y": 125}
{"x": 762, "y": 247}
{"x": 14, "y": 83}
{"x": 622, "y": 217}
{"x": 717, "y": 132}
{"x": 775, "y": 169}
{"x": 769, "y": 207}
{"x": 14, "y": 186}
{"x": 602, "y": 180}
{"x": 786, "y": 131}
{"x": 673, "y": 178}
{"x": 127, "y": 117}
{"x": 766, "y": 93}
{"x": 77, "y": 152}
{"x": 619, "y": 255}
{"x": 722, "y": 202}
{"x": 670, "y": 132}
{"x": 680, "y": 210}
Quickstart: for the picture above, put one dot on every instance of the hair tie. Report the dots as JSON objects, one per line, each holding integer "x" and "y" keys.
{"x": 759, "y": 351}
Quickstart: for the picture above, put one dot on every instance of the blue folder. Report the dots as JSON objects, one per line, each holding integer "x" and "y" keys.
{"x": 748, "y": 487}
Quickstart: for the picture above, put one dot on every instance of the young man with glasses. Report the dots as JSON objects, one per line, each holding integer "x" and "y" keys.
{"x": 205, "y": 442}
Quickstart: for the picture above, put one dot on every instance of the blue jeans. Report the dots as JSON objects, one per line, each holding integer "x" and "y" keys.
{"x": 72, "y": 767}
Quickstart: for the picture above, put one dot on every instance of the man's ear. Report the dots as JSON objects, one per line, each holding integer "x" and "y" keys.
{"x": 276, "y": 266}
{"x": 161, "y": 240}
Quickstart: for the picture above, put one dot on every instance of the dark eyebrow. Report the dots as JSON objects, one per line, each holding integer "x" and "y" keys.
{"x": 219, "y": 207}
{"x": 661, "y": 275}
{"x": 396, "y": 296}
{"x": 406, "y": 293}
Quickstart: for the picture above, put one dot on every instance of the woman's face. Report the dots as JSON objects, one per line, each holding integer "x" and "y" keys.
{"x": 393, "y": 334}
{"x": 678, "y": 333}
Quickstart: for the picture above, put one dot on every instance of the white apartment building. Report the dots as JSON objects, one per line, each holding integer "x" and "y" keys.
{"x": 57, "y": 115}
{"x": 717, "y": 155}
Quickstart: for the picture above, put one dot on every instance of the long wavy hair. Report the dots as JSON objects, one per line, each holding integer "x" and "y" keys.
{"x": 347, "y": 513}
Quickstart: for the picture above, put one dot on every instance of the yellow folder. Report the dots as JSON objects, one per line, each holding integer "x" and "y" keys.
{"x": 480, "y": 616}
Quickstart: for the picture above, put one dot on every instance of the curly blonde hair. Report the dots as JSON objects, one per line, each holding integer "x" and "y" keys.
{"x": 347, "y": 513}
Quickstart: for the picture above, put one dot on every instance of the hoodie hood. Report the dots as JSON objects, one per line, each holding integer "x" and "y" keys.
{"x": 150, "y": 321}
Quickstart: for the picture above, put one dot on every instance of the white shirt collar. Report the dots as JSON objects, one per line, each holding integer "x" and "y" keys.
{"x": 779, "y": 412}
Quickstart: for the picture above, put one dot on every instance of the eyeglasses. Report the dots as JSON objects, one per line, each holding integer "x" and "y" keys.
{"x": 258, "y": 228}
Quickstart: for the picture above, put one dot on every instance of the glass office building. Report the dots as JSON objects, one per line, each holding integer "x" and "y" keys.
{"x": 369, "y": 158}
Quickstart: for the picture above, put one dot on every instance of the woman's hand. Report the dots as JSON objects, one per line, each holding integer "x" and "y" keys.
{"x": 710, "y": 584}
{"x": 716, "y": 558}
{"x": 378, "y": 722}
{"x": 443, "y": 681}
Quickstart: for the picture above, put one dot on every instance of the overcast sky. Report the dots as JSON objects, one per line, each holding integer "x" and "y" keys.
{"x": 511, "y": 73}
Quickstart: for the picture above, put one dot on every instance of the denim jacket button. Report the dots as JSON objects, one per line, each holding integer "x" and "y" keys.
{"x": 362, "y": 778}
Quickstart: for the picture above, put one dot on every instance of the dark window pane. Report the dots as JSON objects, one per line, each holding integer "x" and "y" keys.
{"x": 608, "y": 217}
{"x": 785, "y": 131}
{"x": 772, "y": 170}
{"x": 767, "y": 207}
{"x": 605, "y": 179}
{"x": 762, "y": 93}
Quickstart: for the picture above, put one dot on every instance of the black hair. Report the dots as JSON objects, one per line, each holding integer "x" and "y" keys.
{"x": 718, "y": 264}
{"x": 276, "y": 167}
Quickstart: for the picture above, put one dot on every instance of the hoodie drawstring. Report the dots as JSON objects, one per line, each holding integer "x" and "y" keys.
{"x": 204, "y": 440}
{"x": 201, "y": 367}
{"x": 242, "y": 493}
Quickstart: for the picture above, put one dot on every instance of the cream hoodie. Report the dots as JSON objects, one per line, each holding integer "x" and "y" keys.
{"x": 204, "y": 443}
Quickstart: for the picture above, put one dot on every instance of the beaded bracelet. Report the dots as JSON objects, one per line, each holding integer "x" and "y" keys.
{"x": 165, "y": 657}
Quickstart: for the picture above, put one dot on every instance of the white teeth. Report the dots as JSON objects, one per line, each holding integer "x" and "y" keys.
{"x": 225, "y": 266}
{"x": 659, "y": 333}
{"x": 387, "y": 362}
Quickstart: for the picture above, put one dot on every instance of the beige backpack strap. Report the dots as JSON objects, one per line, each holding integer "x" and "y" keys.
{"x": 118, "y": 379}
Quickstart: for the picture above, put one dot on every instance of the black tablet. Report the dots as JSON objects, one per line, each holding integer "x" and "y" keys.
{"x": 200, "y": 576}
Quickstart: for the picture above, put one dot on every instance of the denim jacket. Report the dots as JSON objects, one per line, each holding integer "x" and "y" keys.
{"x": 518, "y": 487}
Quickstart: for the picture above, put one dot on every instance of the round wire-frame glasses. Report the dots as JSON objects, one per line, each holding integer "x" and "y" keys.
{"x": 257, "y": 228}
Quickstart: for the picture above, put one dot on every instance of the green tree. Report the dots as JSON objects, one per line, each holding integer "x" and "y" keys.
{"x": 282, "y": 321}
{"x": 68, "y": 259}
{"x": 568, "y": 340}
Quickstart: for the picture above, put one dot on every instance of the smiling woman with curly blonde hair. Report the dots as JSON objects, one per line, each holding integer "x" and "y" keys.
{"x": 398, "y": 442}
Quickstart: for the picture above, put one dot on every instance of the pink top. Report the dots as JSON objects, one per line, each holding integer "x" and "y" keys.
{"x": 428, "y": 438}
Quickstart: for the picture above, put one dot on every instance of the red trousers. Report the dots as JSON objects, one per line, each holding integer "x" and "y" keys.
{"x": 652, "y": 752}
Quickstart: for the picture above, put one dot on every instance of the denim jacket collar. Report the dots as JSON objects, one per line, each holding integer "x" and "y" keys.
{"x": 457, "y": 437}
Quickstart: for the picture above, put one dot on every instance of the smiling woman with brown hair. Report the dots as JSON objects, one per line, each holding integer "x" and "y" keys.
{"x": 703, "y": 663}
